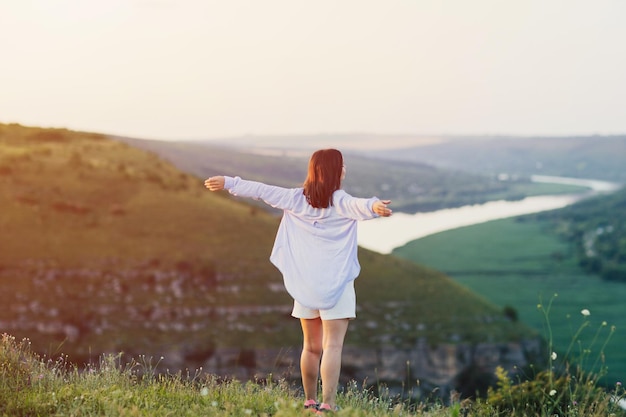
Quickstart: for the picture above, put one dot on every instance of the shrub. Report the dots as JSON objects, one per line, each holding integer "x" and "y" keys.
{"x": 510, "y": 312}
{"x": 614, "y": 273}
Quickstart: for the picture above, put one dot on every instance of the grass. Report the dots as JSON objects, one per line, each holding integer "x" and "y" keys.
{"x": 516, "y": 264}
{"x": 114, "y": 388}
{"x": 111, "y": 387}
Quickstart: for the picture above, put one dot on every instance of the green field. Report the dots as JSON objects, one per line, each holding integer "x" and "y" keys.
{"x": 518, "y": 264}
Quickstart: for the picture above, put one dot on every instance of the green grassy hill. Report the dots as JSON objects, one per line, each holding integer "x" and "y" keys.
{"x": 107, "y": 248}
{"x": 519, "y": 263}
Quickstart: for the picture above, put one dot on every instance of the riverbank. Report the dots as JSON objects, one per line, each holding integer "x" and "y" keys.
{"x": 384, "y": 235}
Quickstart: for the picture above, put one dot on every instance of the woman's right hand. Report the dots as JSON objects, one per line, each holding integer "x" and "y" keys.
{"x": 380, "y": 208}
{"x": 214, "y": 183}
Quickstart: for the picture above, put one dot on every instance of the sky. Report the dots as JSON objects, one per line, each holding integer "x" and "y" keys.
{"x": 201, "y": 69}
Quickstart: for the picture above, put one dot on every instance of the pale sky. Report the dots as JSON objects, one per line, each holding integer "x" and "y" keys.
{"x": 178, "y": 69}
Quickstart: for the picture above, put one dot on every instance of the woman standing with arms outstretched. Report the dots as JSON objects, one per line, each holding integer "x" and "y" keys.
{"x": 316, "y": 252}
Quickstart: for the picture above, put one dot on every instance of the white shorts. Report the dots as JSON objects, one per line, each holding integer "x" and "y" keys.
{"x": 344, "y": 309}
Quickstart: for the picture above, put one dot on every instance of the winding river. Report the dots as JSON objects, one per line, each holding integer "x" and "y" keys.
{"x": 384, "y": 235}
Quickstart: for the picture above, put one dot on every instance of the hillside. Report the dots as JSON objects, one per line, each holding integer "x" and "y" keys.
{"x": 109, "y": 248}
{"x": 597, "y": 230}
{"x": 595, "y": 157}
{"x": 525, "y": 255}
{"x": 412, "y": 186}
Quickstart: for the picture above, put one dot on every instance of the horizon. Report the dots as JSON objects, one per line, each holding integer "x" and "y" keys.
{"x": 204, "y": 70}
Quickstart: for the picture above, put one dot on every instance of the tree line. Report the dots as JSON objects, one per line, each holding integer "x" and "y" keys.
{"x": 597, "y": 228}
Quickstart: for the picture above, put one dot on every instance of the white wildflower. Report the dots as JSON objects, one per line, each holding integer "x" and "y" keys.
{"x": 585, "y": 312}
{"x": 552, "y": 393}
{"x": 204, "y": 391}
{"x": 553, "y": 356}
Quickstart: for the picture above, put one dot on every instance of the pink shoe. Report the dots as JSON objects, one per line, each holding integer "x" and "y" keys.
{"x": 326, "y": 408}
{"x": 311, "y": 405}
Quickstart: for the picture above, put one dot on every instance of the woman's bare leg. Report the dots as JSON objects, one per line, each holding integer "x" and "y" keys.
{"x": 334, "y": 332}
{"x": 311, "y": 354}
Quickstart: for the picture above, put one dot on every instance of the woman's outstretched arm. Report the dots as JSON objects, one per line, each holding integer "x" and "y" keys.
{"x": 277, "y": 197}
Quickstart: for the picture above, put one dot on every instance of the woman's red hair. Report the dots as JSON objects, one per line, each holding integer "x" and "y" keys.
{"x": 323, "y": 177}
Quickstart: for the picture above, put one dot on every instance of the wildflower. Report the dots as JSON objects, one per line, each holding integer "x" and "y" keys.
{"x": 585, "y": 312}
{"x": 214, "y": 404}
{"x": 619, "y": 384}
{"x": 552, "y": 393}
{"x": 553, "y": 356}
{"x": 204, "y": 391}
{"x": 604, "y": 324}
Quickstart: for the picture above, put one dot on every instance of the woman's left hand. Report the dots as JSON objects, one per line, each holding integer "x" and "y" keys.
{"x": 380, "y": 208}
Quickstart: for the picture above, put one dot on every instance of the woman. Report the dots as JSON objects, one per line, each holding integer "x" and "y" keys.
{"x": 316, "y": 251}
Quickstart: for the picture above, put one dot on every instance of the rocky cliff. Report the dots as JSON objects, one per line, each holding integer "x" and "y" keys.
{"x": 465, "y": 368}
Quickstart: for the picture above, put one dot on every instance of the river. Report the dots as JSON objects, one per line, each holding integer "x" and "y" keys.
{"x": 383, "y": 235}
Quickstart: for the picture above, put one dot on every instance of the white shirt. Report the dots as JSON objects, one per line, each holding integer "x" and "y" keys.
{"x": 315, "y": 249}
